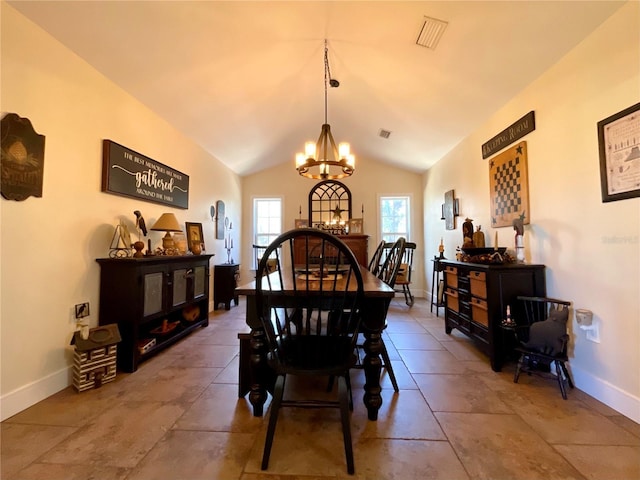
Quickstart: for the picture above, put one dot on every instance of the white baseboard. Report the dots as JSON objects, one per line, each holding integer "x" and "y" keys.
{"x": 28, "y": 395}
{"x": 610, "y": 395}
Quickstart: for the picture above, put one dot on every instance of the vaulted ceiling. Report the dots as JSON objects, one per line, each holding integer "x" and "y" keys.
{"x": 245, "y": 80}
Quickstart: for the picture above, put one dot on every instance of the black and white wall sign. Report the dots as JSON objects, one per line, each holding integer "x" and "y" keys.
{"x": 131, "y": 174}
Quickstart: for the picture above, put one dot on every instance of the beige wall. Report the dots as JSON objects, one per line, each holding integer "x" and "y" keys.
{"x": 370, "y": 180}
{"x": 591, "y": 249}
{"x": 49, "y": 244}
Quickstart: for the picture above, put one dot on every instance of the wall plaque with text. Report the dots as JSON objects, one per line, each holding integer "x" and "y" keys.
{"x": 131, "y": 174}
{"x": 510, "y": 134}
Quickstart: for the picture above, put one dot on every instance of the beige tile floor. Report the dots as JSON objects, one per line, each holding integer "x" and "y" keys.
{"x": 179, "y": 417}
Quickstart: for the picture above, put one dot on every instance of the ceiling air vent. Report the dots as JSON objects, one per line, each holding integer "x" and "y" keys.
{"x": 430, "y": 33}
{"x": 384, "y": 133}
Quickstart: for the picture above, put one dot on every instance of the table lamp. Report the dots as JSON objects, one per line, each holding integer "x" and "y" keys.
{"x": 167, "y": 223}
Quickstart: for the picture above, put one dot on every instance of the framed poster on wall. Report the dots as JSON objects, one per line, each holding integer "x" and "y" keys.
{"x": 619, "y": 145}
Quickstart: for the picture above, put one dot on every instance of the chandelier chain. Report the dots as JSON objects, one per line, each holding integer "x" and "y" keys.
{"x": 327, "y": 77}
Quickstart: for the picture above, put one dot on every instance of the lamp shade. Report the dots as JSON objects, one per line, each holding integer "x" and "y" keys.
{"x": 167, "y": 223}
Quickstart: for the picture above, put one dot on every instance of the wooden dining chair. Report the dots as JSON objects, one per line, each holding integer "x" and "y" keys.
{"x": 403, "y": 280}
{"x": 376, "y": 260}
{"x": 388, "y": 273}
{"x": 311, "y": 316}
{"x": 258, "y": 252}
{"x": 541, "y": 330}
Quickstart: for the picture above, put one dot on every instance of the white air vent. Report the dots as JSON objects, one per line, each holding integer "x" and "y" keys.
{"x": 430, "y": 33}
{"x": 384, "y": 133}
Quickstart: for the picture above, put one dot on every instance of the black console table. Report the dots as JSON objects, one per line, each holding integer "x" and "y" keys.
{"x": 154, "y": 300}
{"x": 476, "y": 299}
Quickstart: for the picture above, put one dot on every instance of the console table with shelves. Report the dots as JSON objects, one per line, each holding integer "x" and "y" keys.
{"x": 476, "y": 299}
{"x": 154, "y": 300}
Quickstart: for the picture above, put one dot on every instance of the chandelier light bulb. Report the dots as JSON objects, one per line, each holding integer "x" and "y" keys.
{"x": 351, "y": 161}
{"x": 310, "y": 149}
{"x": 343, "y": 150}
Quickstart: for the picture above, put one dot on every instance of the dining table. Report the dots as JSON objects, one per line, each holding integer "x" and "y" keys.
{"x": 376, "y": 298}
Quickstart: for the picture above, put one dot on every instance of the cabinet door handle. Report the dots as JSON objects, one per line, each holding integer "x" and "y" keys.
{"x": 189, "y": 273}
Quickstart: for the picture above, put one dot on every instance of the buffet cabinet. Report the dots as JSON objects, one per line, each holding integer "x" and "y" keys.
{"x": 154, "y": 300}
{"x": 476, "y": 300}
{"x": 357, "y": 243}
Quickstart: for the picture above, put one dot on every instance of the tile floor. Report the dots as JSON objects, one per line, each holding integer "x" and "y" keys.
{"x": 179, "y": 417}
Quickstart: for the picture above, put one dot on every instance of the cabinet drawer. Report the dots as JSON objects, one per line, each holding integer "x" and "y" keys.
{"x": 452, "y": 300}
{"x": 479, "y": 311}
{"x": 478, "y": 284}
{"x": 451, "y": 276}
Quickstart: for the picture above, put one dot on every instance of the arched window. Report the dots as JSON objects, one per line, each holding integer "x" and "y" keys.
{"x": 329, "y": 203}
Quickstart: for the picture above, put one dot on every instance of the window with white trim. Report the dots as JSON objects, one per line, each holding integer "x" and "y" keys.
{"x": 395, "y": 214}
{"x": 267, "y": 220}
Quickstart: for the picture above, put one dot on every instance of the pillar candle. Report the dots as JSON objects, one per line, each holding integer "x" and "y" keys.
{"x": 496, "y": 245}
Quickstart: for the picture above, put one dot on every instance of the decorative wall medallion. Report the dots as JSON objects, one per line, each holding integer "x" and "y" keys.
{"x": 22, "y": 158}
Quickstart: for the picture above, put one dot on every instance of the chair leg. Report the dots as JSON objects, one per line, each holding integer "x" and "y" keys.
{"x": 278, "y": 392}
{"x": 516, "y": 375}
{"x": 348, "y": 380}
{"x": 346, "y": 422}
{"x": 387, "y": 365}
{"x": 566, "y": 374}
{"x": 330, "y": 383}
{"x": 408, "y": 298}
{"x": 563, "y": 391}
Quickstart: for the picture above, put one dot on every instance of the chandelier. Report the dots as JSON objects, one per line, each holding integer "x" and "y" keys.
{"x": 319, "y": 157}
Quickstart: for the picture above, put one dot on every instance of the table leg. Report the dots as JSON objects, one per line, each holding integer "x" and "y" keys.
{"x": 372, "y": 368}
{"x": 258, "y": 393}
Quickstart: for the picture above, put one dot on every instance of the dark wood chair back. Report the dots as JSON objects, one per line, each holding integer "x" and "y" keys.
{"x": 310, "y": 314}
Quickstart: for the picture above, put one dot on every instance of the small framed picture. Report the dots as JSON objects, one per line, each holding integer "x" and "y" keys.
{"x": 194, "y": 234}
{"x": 355, "y": 226}
{"x": 301, "y": 223}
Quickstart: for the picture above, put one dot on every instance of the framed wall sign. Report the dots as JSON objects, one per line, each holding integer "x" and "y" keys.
{"x": 131, "y": 174}
{"x": 619, "y": 144}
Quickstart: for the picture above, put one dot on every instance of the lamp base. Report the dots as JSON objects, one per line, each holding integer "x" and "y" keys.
{"x": 167, "y": 241}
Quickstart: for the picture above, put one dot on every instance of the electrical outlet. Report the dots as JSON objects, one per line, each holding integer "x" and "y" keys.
{"x": 82, "y": 310}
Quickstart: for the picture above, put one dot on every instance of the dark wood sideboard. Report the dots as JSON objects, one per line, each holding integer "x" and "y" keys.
{"x": 476, "y": 299}
{"x": 357, "y": 243}
{"x": 140, "y": 294}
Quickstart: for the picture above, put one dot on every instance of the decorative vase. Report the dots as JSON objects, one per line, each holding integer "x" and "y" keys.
{"x": 196, "y": 248}
{"x": 138, "y": 246}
